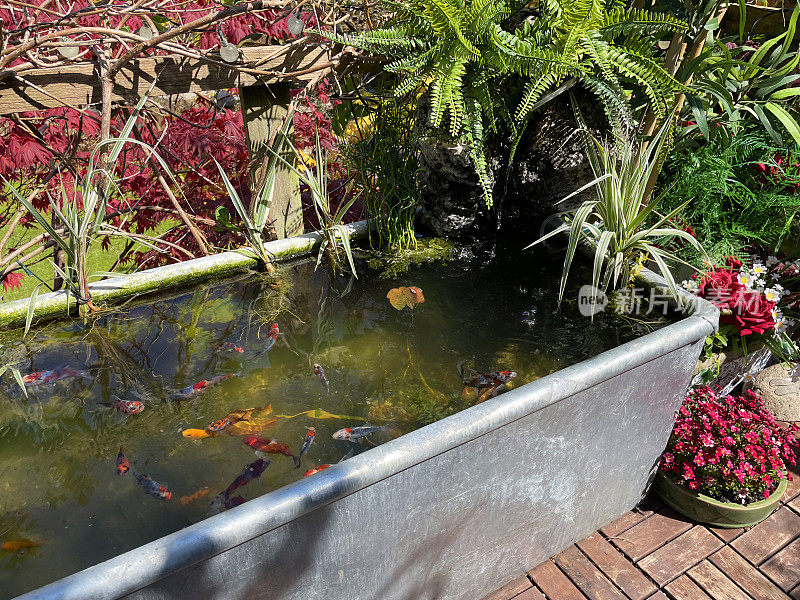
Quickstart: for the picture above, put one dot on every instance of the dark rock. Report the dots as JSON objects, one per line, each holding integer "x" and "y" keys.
{"x": 550, "y": 164}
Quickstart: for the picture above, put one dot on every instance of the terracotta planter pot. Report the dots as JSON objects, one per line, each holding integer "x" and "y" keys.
{"x": 703, "y": 509}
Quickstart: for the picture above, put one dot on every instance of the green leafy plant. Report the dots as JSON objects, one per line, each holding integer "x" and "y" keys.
{"x": 737, "y": 195}
{"x": 470, "y": 53}
{"x": 622, "y": 229}
{"x": 737, "y": 81}
{"x": 255, "y": 218}
{"x": 335, "y": 236}
{"x": 81, "y": 217}
{"x": 383, "y": 155}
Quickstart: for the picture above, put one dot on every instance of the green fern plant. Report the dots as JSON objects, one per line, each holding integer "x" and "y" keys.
{"x": 469, "y": 53}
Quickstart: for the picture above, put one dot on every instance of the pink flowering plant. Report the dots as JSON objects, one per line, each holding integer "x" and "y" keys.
{"x": 730, "y": 448}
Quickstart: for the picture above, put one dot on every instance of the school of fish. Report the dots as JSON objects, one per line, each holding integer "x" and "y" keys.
{"x": 249, "y": 423}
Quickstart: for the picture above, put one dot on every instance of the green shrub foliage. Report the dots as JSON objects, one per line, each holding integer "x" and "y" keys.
{"x": 469, "y": 53}
{"x": 742, "y": 192}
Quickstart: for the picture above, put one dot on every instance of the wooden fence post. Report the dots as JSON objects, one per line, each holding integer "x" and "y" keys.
{"x": 263, "y": 110}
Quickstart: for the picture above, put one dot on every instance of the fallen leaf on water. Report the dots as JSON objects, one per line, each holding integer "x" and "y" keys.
{"x": 405, "y": 296}
{"x": 252, "y": 426}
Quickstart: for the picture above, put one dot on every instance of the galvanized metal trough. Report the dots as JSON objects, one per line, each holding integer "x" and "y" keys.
{"x": 453, "y": 510}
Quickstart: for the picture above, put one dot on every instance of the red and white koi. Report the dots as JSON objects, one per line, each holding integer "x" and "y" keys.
{"x": 316, "y": 470}
{"x": 264, "y": 446}
{"x": 229, "y": 347}
{"x": 351, "y": 434}
{"x": 129, "y": 407}
{"x": 320, "y": 373}
{"x": 192, "y": 391}
{"x": 309, "y": 439}
{"x": 272, "y": 338}
{"x": 495, "y": 379}
{"x": 46, "y": 377}
{"x": 155, "y": 489}
{"x": 123, "y": 465}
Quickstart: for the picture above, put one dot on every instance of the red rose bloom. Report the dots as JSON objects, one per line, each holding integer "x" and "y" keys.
{"x": 733, "y": 263}
{"x": 721, "y": 287}
{"x": 751, "y": 313}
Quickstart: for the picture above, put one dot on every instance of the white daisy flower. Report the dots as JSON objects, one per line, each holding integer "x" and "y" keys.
{"x": 780, "y": 289}
{"x": 772, "y": 261}
{"x": 758, "y": 269}
{"x": 772, "y": 295}
{"x": 759, "y": 284}
{"x": 776, "y": 276}
{"x": 745, "y": 279}
{"x": 776, "y": 313}
{"x": 781, "y": 325}
{"x": 748, "y": 377}
{"x": 689, "y": 285}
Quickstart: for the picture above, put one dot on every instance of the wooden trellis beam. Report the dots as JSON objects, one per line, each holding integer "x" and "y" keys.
{"x": 79, "y": 85}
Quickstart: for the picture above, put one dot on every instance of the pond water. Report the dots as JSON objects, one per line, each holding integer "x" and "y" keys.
{"x": 59, "y": 487}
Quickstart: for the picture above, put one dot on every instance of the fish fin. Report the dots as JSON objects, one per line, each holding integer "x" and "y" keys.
{"x": 460, "y": 368}
{"x": 296, "y": 461}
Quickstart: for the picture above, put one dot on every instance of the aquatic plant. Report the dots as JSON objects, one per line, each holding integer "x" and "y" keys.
{"x": 335, "y": 236}
{"x": 81, "y": 215}
{"x": 255, "y": 218}
{"x": 381, "y": 150}
{"x": 616, "y": 224}
{"x": 470, "y": 54}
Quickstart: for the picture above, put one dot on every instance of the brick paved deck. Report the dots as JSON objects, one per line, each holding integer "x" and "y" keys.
{"x": 653, "y": 553}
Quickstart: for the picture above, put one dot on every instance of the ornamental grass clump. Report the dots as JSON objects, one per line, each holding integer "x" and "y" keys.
{"x": 730, "y": 448}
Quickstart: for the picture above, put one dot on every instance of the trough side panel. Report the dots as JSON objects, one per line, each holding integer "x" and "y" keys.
{"x": 463, "y": 523}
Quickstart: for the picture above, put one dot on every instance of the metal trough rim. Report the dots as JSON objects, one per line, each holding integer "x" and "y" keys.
{"x": 146, "y": 564}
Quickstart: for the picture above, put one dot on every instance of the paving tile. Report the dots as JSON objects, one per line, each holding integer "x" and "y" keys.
{"x": 794, "y": 486}
{"x": 715, "y": 583}
{"x": 658, "y": 596}
{"x": 784, "y": 567}
{"x": 769, "y": 536}
{"x": 553, "y": 583}
{"x": 682, "y": 553}
{"x": 652, "y": 533}
{"x": 684, "y": 588}
{"x": 793, "y": 491}
{"x": 616, "y": 567}
{"x": 511, "y": 589}
{"x": 745, "y": 575}
{"x": 647, "y": 507}
{"x": 625, "y": 522}
{"x": 587, "y": 576}
{"x": 795, "y": 595}
{"x": 530, "y": 594}
{"x": 726, "y": 534}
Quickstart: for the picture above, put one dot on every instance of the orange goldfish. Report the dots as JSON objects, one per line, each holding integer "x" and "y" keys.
{"x": 184, "y": 500}
{"x": 16, "y": 545}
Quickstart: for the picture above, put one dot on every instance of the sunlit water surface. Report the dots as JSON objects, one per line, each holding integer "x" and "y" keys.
{"x": 58, "y": 482}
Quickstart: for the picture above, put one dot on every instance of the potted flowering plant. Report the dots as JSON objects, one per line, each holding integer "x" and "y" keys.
{"x": 756, "y": 303}
{"x": 725, "y": 463}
